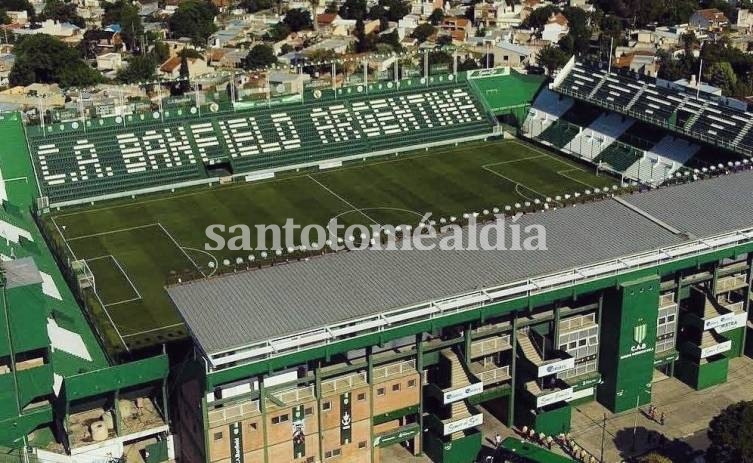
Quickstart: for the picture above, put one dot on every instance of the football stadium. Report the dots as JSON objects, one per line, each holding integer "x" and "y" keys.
{"x": 123, "y": 334}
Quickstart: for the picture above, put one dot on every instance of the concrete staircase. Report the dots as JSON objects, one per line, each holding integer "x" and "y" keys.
{"x": 743, "y": 133}
{"x": 691, "y": 122}
{"x": 528, "y": 349}
{"x": 458, "y": 379}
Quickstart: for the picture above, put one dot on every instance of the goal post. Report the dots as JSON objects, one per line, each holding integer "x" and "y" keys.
{"x": 84, "y": 274}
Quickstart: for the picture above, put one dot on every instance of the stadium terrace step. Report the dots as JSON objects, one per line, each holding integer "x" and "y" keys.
{"x": 74, "y": 163}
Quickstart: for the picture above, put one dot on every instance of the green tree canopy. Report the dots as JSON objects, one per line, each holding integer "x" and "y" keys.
{"x": 423, "y": 32}
{"x": 436, "y": 16}
{"x": 43, "y": 58}
{"x": 298, "y": 19}
{"x": 551, "y": 58}
{"x": 540, "y": 16}
{"x": 730, "y": 435}
{"x": 353, "y": 9}
{"x": 63, "y": 12}
{"x": 194, "y": 19}
{"x": 141, "y": 68}
{"x": 259, "y": 57}
{"x": 396, "y": 9}
{"x": 252, "y": 6}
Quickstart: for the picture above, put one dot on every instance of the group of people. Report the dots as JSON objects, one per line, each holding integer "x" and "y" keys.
{"x": 652, "y": 413}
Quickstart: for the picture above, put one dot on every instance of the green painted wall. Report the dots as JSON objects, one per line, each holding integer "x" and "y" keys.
{"x": 629, "y": 317}
{"x": 704, "y": 375}
{"x": 462, "y": 450}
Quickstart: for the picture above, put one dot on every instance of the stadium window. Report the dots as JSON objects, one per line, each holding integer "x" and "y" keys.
{"x": 218, "y": 436}
{"x": 279, "y": 419}
{"x": 328, "y": 454}
{"x": 670, "y": 318}
{"x": 582, "y": 342}
{"x": 380, "y": 391}
{"x": 362, "y": 396}
{"x": 396, "y": 387}
{"x": 411, "y": 383}
{"x": 336, "y": 452}
{"x": 308, "y": 411}
{"x": 253, "y": 426}
{"x": 310, "y": 460}
{"x": 362, "y": 444}
{"x": 326, "y": 406}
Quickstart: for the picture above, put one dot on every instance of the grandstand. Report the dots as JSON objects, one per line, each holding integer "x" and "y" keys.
{"x": 718, "y": 121}
{"x": 81, "y": 161}
{"x": 303, "y": 355}
{"x": 628, "y": 146}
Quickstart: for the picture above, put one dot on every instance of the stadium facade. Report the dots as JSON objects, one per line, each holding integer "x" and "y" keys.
{"x": 407, "y": 349}
{"x": 340, "y": 356}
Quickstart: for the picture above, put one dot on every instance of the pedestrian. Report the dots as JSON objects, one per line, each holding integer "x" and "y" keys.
{"x": 662, "y": 419}
{"x": 497, "y": 441}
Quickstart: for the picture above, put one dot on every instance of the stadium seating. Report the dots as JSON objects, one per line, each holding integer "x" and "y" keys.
{"x": 716, "y": 120}
{"x": 663, "y": 160}
{"x": 546, "y": 109}
{"x": 590, "y": 142}
{"x": 76, "y": 162}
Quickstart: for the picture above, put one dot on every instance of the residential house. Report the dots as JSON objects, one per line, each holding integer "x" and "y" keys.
{"x": 459, "y": 28}
{"x": 710, "y": 19}
{"x": 641, "y": 62}
{"x": 556, "y": 28}
{"x": 744, "y": 20}
{"x": 109, "y": 62}
{"x": 6, "y": 64}
{"x": 170, "y": 69}
{"x": 18, "y": 17}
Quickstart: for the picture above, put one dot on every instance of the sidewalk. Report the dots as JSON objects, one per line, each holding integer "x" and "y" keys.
{"x": 687, "y": 415}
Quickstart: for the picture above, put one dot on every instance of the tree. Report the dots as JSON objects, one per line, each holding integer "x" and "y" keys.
{"x": 467, "y": 64}
{"x": 183, "y": 85}
{"x": 62, "y": 12}
{"x": 396, "y": 9}
{"x": 252, "y": 6}
{"x": 423, "y": 32}
{"x": 194, "y": 19}
{"x": 539, "y": 17}
{"x": 126, "y": 15}
{"x": 436, "y": 16}
{"x": 279, "y": 31}
{"x": 353, "y": 9}
{"x": 729, "y": 433}
{"x": 552, "y": 58}
{"x": 259, "y": 57}
{"x": 298, "y": 19}
{"x": 161, "y": 51}
{"x": 45, "y": 59}
{"x": 141, "y": 68}
{"x": 392, "y": 39}
{"x": 4, "y": 18}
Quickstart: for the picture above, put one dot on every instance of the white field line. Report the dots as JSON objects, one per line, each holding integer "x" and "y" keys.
{"x": 181, "y": 249}
{"x": 353, "y": 207}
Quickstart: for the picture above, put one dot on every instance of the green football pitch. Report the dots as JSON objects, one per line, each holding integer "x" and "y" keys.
{"x": 135, "y": 247}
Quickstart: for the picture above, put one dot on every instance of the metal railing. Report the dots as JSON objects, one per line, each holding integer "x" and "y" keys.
{"x": 474, "y": 300}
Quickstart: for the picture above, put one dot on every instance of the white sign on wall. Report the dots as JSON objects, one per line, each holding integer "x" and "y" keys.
{"x": 554, "y": 397}
{"x": 726, "y": 322}
{"x": 463, "y": 392}
{"x": 716, "y": 349}
{"x": 556, "y": 367}
{"x": 470, "y": 422}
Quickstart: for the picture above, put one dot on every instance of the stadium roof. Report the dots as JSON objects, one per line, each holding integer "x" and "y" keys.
{"x": 235, "y": 310}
